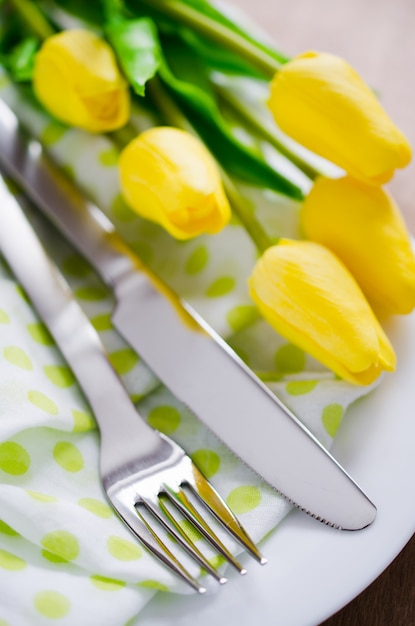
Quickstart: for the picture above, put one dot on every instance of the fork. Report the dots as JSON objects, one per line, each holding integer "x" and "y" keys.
{"x": 146, "y": 476}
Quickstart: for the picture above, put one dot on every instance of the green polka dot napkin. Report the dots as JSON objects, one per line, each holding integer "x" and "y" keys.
{"x": 64, "y": 555}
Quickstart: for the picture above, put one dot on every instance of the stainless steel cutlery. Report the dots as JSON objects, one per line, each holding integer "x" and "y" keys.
{"x": 188, "y": 356}
{"x": 141, "y": 469}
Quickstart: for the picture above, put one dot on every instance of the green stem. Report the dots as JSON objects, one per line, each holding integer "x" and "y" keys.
{"x": 34, "y": 18}
{"x": 167, "y": 106}
{"x": 245, "y": 215}
{"x": 252, "y": 119}
{"x": 174, "y": 116}
{"x": 218, "y": 33}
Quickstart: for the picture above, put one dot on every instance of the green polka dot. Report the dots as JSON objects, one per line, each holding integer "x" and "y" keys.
{"x": 244, "y": 499}
{"x": 62, "y": 543}
{"x": 289, "y": 359}
{"x": 217, "y": 561}
{"x": 143, "y": 250}
{"x": 76, "y": 266}
{"x": 243, "y": 355}
{"x": 136, "y": 397}
{"x": 220, "y": 287}
{"x": 59, "y": 375}
{"x": 16, "y": 356}
{"x": 164, "y": 418}
{"x": 52, "y": 133}
{"x": 11, "y": 561}
{"x": 123, "y": 550}
{"x": 300, "y": 387}
{"x": 3, "y": 621}
{"x": 14, "y": 459}
{"x": 82, "y": 421}
{"x": 149, "y": 230}
{"x": 41, "y": 497}
{"x": 96, "y": 507}
{"x": 102, "y": 322}
{"x": 332, "y": 417}
{"x": 4, "y": 81}
{"x": 12, "y": 186}
{"x": 22, "y": 294}
{"x": 42, "y": 402}
{"x": 109, "y": 157}
{"x": 69, "y": 172}
{"x": 207, "y": 461}
{"x": 40, "y": 334}
{"x": 121, "y": 210}
{"x": 192, "y": 532}
{"x": 53, "y": 558}
{"x": 153, "y": 584}
{"x": 52, "y": 604}
{"x": 92, "y": 293}
{"x": 241, "y": 316}
{"x": 197, "y": 261}
{"x": 7, "y": 530}
{"x": 4, "y": 318}
{"x": 68, "y": 456}
{"x": 106, "y": 584}
{"x": 124, "y": 360}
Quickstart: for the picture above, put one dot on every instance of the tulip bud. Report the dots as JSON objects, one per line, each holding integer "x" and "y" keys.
{"x": 169, "y": 177}
{"x": 322, "y": 103}
{"x": 77, "y": 80}
{"x": 363, "y": 226}
{"x": 311, "y": 299}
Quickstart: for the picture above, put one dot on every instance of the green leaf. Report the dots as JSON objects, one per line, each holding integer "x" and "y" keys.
{"x": 12, "y": 30}
{"x": 21, "y": 60}
{"x": 186, "y": 68}
{"x": 221, "y": 41}
{"x": 187, "y": 79}
{"x": 114, "y": 11}
{"x": 92, "y": 12}
{"x": 217, "y": 57}
{"x": 206, "y": 8}
{"x": 137, "y": 48}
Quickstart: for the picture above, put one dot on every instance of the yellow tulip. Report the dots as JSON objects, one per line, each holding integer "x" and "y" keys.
{"x": 77, "y": 80}
{"x": 312, "y": 300}
{"x": 169, "y": 177}
{"x": 363, "y": 226}
{"x": 322, "y": 103}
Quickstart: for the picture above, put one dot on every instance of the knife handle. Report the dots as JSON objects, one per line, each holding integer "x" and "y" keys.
{"x": 72, "y": 331}
{"x": 80, "y": 221}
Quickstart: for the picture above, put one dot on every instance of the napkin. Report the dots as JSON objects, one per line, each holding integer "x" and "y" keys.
{"x": 64, "y": 555}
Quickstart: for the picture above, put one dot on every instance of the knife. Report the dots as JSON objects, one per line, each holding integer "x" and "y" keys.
{"x": 195, "y": 363}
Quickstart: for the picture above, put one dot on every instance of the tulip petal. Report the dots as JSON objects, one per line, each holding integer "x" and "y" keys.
{"x": 308, "y": 296}
{"x": 169, "y": 177}
{"x": 363, "y": 226}
{"x": 77, "y": 80}
{"x": 321, "y": 102}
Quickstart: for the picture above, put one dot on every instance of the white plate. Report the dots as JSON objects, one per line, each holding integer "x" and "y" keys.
{"x": 313, "y": 570}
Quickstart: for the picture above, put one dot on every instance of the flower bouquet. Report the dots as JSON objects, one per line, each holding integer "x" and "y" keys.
{"x": 252, "y": 184}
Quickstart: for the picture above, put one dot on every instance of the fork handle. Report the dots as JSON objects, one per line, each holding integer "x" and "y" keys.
{"x": 78, "y": 341}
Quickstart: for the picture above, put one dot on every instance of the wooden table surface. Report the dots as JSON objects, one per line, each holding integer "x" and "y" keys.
{"x": 378, "y": 38}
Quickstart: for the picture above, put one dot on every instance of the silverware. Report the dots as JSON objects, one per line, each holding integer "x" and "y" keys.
{"x": 141, "y": 469}
{"x": 211, "y": 380}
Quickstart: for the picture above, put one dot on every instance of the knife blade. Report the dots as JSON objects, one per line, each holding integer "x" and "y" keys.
{"x": 186, "y": 354}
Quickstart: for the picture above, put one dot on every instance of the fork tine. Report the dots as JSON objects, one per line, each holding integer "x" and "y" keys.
{"x": 182, "y": 502}
{"x": 142, "y": 530}
{"x": 208, "y": 495}
{"x": 181, "y": 536}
